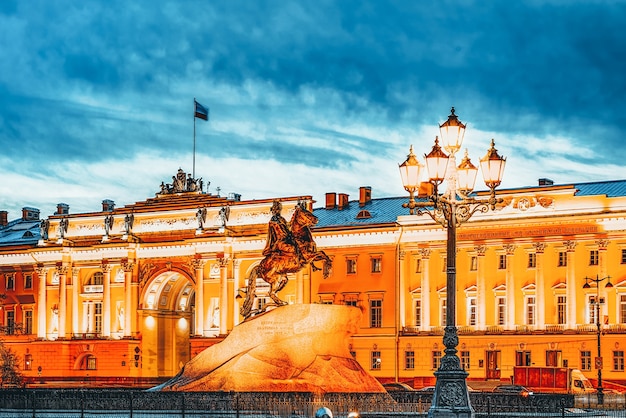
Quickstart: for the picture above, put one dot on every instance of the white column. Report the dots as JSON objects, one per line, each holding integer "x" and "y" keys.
{"x": 481, "y": 288}
{"x": 510, "y": 287}
{"x": 128, "y": 293}
{"x": 106, "y": 300}
{"x": 198, "y": 267}
{"x": 425, "y": 286}
{"x": 402, "y": 290}
{"x": 223, "y": 295}
{"x": 42, "y": 273}
{"x": 540, "y": 285}
{"x": 236, "y": 286}
{"x": 602, "y": 268}
{"x": 75, "y": 291}
{"x": 570, "y": 282}
{"x": 85, "y": 326}
{"x": 62, "y": 270}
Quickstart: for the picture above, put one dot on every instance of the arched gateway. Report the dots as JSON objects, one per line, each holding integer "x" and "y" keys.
{"x": 166, "y": 312}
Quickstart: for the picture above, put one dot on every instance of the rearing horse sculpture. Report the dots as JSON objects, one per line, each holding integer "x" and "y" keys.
{"x": 290, "y": 247}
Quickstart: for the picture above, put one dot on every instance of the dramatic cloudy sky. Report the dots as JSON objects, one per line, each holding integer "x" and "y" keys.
{"x": 306, "y": 97}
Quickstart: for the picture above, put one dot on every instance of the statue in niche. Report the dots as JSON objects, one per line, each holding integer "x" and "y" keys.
{"x": 129, "y": 219}
{"x": 44, "y": 226}
{"x": 108, "y": 224}
{"x": 62, "y": 229}
{"x": 201, "y": 217}
{"x": 289, "y": 248}
{"x": 224, "y": 214}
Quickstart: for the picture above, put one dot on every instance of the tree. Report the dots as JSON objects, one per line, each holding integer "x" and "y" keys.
{"x": 10, "y": 373}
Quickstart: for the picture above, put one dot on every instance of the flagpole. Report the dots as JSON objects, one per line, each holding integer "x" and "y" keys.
{"x": 194, "y": 139}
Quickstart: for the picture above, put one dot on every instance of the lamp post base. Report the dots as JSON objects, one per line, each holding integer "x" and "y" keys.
{"x": 451, "y": 397}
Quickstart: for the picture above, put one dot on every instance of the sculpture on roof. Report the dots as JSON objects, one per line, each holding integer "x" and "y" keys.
{"x": 181, "y": 183}
{"x": 289, "y": 248}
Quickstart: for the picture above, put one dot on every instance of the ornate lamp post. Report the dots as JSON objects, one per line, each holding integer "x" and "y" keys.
{"x": 456, "y": 205}
{"x": 598, "y": 360}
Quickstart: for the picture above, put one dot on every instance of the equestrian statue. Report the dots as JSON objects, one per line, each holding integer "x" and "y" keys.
{"x": 289, "y": 248}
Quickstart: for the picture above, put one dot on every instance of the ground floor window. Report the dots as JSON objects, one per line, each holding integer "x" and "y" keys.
{"x": 436, "y": 359}
{"x": 409, "y": 360}
{"x": 585, "y": 361}
{"x": 522, "y": 358}
{"x": 465, "y": 360}
{"x": 375, "y": 356}
{"x": 618, "y": 360}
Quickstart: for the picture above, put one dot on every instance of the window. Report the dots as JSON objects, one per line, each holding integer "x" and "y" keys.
{"x": 326, "y": 301}
{"x": 409, "y": 360}
{"x": 585, "y": 361}
{"x": 593, "y": 257}
{"x": 561, "y": 309}
{"x": 501, "y": 309}
{"x": 530, "y": 310}
{"x": 622, "y": 309}
{"x": 623, "y": 256}
{"x": 502, "y": 261}
{"x": 351, "y": 266}
{"x": 553, "y": 358}
{"x": 532, "y": 260}
{"x": 471, "y": 311}
{"x": 522, "y": 358}
{"x": 351, "y": 301}
{"x": 444, "y": 265}
{"x": 618, "y": 360}
{"x": 436, "y": 359}
{"x": 474, "y": 263}
{"x": 562, "y": 259}
{"x": 10, "y": 328}
{"x": 89, "y": 363}
{"x": 418, "y": 312}
{"x": 376, "y": 313}
{"x": 28, "y": 322}
{"x": 28, "y": 281}
{"x": 96, "y": 279}
{"x": 375, "y": 356}
{"x": 28, "y": 361}
{"x": 465, "y": 360}
{"x": 376, "y": 263}
{"x": 98, "y": 317}
{"x": 593, "y": 308}
{"x": 418, "y": 265}
{"x": 10, "y": 282}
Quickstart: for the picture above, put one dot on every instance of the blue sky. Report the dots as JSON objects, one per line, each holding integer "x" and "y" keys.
{"x": 308, "y": 97}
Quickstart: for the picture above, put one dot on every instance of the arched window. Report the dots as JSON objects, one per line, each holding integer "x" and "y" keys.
{"x": 96, "y": 279}
{"x": 89, "y": 362}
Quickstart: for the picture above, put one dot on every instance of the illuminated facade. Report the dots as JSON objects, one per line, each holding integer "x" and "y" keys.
{"x": 128, "y": 295}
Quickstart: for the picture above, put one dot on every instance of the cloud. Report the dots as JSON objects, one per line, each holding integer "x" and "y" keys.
{"x": 97, "y": 99}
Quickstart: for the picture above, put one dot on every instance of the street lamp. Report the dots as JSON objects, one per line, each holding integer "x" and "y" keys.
{"x": 598, "y": 360}
{"x": 455, "y": 206}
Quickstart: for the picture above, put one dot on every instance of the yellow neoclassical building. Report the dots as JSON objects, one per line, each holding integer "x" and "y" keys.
{"x": 127, "y": 295}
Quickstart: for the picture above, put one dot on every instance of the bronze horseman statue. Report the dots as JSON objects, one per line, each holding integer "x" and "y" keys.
{"x": 289, "y": 248}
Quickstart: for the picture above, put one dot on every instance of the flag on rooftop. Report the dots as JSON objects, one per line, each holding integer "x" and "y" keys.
{"x": 201, "y": 112}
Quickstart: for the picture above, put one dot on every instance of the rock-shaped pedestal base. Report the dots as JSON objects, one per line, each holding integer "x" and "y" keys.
{"x": 293, "y": 348}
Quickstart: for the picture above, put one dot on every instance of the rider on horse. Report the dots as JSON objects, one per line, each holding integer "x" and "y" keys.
{"x": 280, "y": 241}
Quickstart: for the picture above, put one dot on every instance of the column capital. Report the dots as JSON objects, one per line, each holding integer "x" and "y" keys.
{"x": 127, "y": 265}
{"x": 509, "y": 248}
{"x": 424, "y": 252}
{"x": 603, "y": 243}
{"x": 539, "y": 247}
{"x": 198, "y": 263}
{"x": 62, "y": 269}
{"x": 570, "y": 245}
